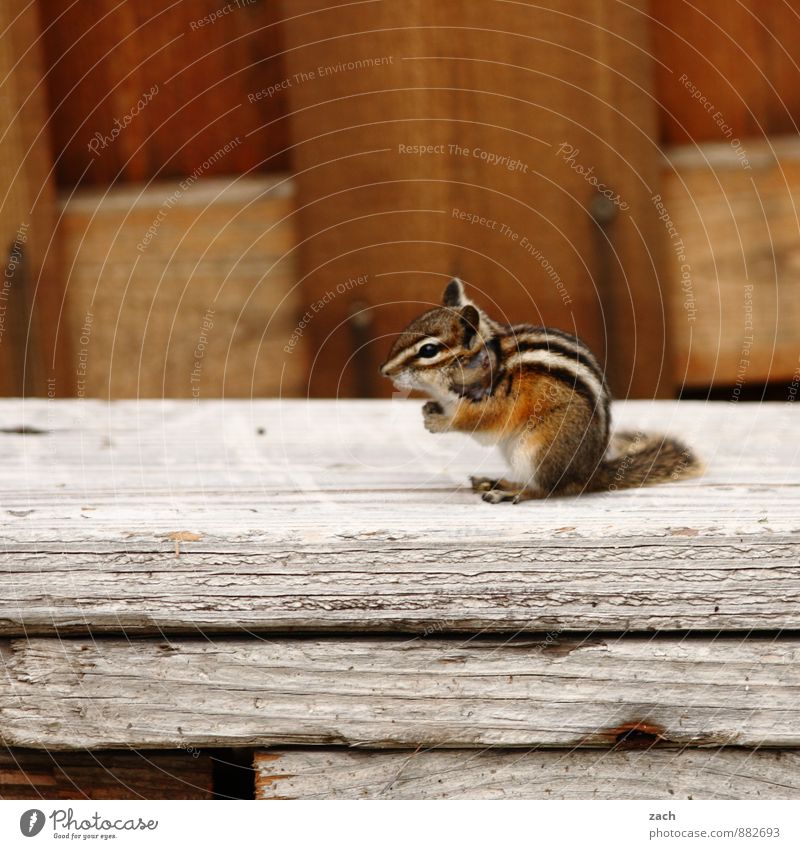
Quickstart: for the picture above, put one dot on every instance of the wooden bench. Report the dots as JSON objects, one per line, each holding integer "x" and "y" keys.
{"x": 316, "y": 582}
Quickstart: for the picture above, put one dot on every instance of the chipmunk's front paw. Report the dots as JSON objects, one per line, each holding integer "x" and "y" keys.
{"x": 434, "y": 418}
{"x": 498, "y": 495}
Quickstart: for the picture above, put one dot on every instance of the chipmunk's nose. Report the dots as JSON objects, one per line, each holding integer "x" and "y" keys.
{"x": 383, "y": 371}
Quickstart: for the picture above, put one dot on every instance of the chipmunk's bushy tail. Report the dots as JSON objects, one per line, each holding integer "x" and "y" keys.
{"x": 637, "y": 459}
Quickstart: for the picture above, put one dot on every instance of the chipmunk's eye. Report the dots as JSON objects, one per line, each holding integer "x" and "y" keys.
{"x": 429, "y": 350}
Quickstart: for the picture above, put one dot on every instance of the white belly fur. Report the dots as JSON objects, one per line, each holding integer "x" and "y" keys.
{"x": 521, "y": 458}
{"x": 484, "y": 437}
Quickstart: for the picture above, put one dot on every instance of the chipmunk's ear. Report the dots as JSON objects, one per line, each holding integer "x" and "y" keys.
{"x": 454, "y": 294}
{"x": 470, "y": 321}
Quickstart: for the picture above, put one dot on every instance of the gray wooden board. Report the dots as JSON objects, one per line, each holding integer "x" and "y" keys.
{"x": 348, "y": 515}
{"x": 731, "y": 773}
{"x": 377, "y": 693}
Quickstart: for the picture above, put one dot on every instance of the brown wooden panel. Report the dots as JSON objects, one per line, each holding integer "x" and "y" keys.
{"x": 105, "y": 57}
{"x": 26, "y": 774}
{"x": 183, "y": 291}
{"x": 494, "y": 90}
{"x": 734, "y": 268}
{"x": 726, "y": 70}
{"x": 31, "y": 286}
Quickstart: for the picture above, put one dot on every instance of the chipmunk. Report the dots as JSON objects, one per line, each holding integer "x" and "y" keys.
{"x": 537, "y": 392}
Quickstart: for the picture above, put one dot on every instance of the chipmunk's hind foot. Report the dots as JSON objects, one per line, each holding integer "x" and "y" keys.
{"x": 513, "y": 494}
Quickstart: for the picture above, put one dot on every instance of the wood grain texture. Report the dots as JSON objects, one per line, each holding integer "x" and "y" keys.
{"x": 519, "y": 774}
{"x": 734, "y": 272}
{"x": 490, "y": 92}
{"x": 183, "y": 290}
{"x": 741, "y": 57}
{"x": 31, "y": 283}
{"x": 269, "y": 516}
{"x": 209, "y": 72}
{"x": 26, "y": 774}
{"x": 90, "y": 693}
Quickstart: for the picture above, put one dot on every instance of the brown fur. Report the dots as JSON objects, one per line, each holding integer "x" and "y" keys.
{"x": 647, "y": 459}
{"x": 550, "y": 432}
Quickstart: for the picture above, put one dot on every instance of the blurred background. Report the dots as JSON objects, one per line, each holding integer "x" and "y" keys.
{"x": 205, "y": 199}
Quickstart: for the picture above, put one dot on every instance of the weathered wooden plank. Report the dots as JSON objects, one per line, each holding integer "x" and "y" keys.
{"x": 539, "y": 774}
{"x": 105, "y": 775}
{"x": 384, "y": 693}
{"x": 634, "y": 585}
{"x": 175, "y": 516}
{"x": 346, "y": 442}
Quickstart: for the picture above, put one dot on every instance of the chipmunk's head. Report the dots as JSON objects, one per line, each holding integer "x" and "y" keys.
{"x": 435, "y": 352}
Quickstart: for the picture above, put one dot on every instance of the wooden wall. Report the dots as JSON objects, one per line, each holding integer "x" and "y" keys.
{"x": 183, "y": 292}
{"x": 728, "y": 85}
{"x": 176, "y": 247}
{"x": 742, "y": 57}
{"x": 26, "y": 774}
{"x": 736, "y": 294}
{"x": 31, "y": 283}
{"x": 522, "y": 123}
{"x": 427, "y": 144}
{"x": 182, "y": 83}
